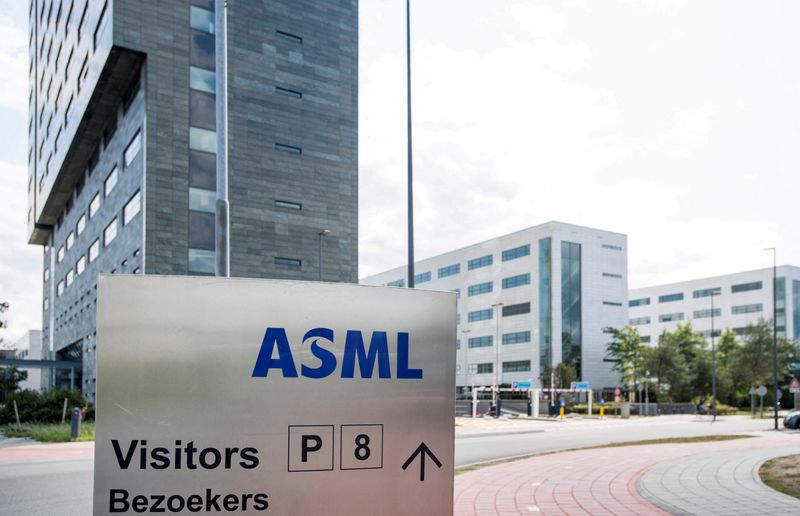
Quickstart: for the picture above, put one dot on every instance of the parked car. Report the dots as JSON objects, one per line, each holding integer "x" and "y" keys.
{"x": 792, "y": 420}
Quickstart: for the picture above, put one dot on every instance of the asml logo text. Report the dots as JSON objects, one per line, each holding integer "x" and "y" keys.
{"x": 276, "y": 354}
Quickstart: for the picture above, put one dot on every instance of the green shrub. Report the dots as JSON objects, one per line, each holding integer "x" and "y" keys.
{"x": 46, "y": 407}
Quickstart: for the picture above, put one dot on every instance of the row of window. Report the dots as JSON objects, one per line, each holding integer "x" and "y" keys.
{"x": 514, "y": 366}
{"x": 716, "y": 291}
{"x": 700, "y": 314}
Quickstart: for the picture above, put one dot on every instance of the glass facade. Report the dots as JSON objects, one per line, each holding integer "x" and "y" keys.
{"x": 571, "y": 334}
{"x": 796, "y": 310}
{"x": 545, "y": 306}
{"x": 780, "y": 315}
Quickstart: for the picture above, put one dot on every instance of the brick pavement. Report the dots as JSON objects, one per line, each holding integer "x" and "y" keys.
{"x": 594, "y": 481}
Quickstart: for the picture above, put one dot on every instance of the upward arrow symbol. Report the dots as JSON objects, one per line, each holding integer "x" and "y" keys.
{"x": 422, "y": 450}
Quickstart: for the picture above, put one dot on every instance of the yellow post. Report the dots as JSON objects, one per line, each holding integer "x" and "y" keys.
{"x": 561, "y": 413}
{"x": 602, "y": 410}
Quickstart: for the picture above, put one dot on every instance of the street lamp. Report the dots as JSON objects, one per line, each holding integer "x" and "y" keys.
{"x": 324, "y": 232}
{"x": 497, "y": 345}
{"x": 713, "y": 363}
{"x": 775, "y": 328}
{"x": 410, "y": 154}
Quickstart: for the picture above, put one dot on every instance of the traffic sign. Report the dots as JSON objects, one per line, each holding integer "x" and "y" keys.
{"x": 752, "y": 391}
{"x": 234, "y": 395}
{"x": 794, "y": 386}
{"x": 762, "y": 390}
{"x": 580, "y": 385}
{"x": 521, "y": 385}
{"x": 617, "y": 392}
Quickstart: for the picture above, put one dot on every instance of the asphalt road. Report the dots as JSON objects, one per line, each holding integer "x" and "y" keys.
{"x": 64, "y": 487}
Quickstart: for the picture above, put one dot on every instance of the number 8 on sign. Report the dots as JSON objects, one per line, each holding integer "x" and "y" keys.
{"x": 361, "y": 447}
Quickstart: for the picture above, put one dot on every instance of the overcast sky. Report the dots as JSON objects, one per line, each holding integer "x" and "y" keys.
{"x": 674, "y": 122}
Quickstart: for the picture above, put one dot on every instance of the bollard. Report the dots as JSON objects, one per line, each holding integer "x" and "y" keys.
{"x": 602, "y": 410}
{"x": 530, "y": 407}
{"x": 75, "y": 424}
{"x": 561, "y": 413}
{"x": 499, "y": 407}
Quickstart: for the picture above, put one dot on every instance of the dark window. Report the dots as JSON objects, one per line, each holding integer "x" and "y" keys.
{"x": 517, "y": 281}
{"x": 450, "y": 270}
{"x": 480, "y": 288}
{"x": 480, "y": 342}
{"x": 201, "y": 230}
{"x": 517, "y": 252}
{"x": 289, "y": 205}
{"x": 612, "y": 247}
{"x": 202, "y": 170}
{"x": 639, "y": 302}
{"x": 612, "y": 275}
{"x": 202, "y": 110}
{"x": 611, "y": 303}
{"x": 201, "y": 50}
{"x": 516, "y": 366}
{"x": 480, "y": 315}
{"x": 292, "y": 262}
{"x": 208, "y": 4}
{"x": 397, "y": 283}
{"x": 485, "y": 368}
{"x": 745, "y": 287}
{"x": 288, "y": 37}
{"x": 288, "y": 92}
{"x": 706, "y": 292}
{"x": 517, "y": 337}
{"x": 522, "y": 308}
{"x": 668, "y": 298}
{"x": 422, "y": 278}
{"x": 477, "y": 263}
{"x": 288, "y": 148}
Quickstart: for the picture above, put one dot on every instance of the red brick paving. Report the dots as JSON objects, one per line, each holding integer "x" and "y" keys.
{"x": 597, "y": 481}
{"x": 55, "y": 451}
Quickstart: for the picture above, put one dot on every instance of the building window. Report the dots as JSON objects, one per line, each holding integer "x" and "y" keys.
{"x": 201, "y": 50}
{"x": 81, "y": 225}
{"x": 201, "y": 19}
{"x": 201, "y": 230}
{"x": 70, "y": 277}
{"x": 80, "y": 265}
{"x": 422, "y": 278}
{"x": 94, "y": 250}
{"x": 289, "y": 149}
{"x": 133, "y": 148}
{"x": 480, "y": 315}
{"x": 485, "y": 368}
{"x": 449, "y": 270}
{"x": 639, "y": 321}
{"x": 517, "y": 252}
{"x": 517, "y": 366}
{"x": 132, "y": 208}
{"x": 705, "y": 313}
{"x": 202, "y": 170}
{"x": 202, "y": 80}
{"x": 639, "y": 302}
{"x": 60, "y": 254}
{"x": 101, "y": 25}
{"x": 480, "y": 288}
{"x": 517, "y": 337}
{"x": 202, "y": 110}
{"x": 70, "y": 240}
{"x": 645, "y": 339}
{"x": 201, "y": 261}
{"x": 480, "y": 342}
{"x": 747, "y": 309}
{"x": 288, "y": 92}
{"x": 706, "y": 292}
{"x": 94, "y": 205}
{"x": 397, "y": 283}
{"x": 110, "y": 233}
{"x": 202, "y": 200}
{"x": 571, "y": 330}
{"x": 517, "y": 281}
{"x": 746, "y": 287}
{"x": 477, "y": 263}
{"x": 611, "y": 303}
{"x": 291, "y": 262}
{"x": 83, "y": 73}
{"x": 289, "y": 205}
{"x": 669, "y": 298}
{"x": 612, "y": 275}
{"x": 111, "y": 181}
{"x": 288, "y": 37}
{"x": 612, "y": 247}
{"x": 670, "y": 317}
{"x": 60, "y": 288}
{"x": 545, "y": 306}
{"x": 46, "y": 274}
{"x": 45, "y": 304}
{"x": 521, "y": 308}
{"x": 202, "y": 140}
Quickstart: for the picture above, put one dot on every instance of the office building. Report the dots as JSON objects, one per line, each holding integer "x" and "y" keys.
{"x": 29, "y": 347}
{"x": 168, "y": 138}
{"x": 531, "y": 300}
{"x": 738, "y": 300}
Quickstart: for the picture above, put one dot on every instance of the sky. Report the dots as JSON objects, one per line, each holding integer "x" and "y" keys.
{"x": 675, "y": 122}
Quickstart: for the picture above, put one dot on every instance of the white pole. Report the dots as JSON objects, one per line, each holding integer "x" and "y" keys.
{"x": 536, "y": 402}
{"x": 590, "y": 403}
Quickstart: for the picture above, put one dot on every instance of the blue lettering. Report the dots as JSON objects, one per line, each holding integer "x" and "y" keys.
{"x": 326, "y": 357}
{"x": 402, "y": 359}
{"x": 354, "y": 350}
{"x": 272, "y": 338}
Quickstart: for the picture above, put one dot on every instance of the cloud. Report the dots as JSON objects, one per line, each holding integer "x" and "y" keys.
{"x": 13, "y": 65}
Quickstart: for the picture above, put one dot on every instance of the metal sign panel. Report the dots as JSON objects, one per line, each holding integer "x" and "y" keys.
{"x": 251, "y": 396}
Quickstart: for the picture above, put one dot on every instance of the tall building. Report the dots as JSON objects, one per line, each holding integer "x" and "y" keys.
{"x": 531, "y": 300}
{"x": 29, "y": 347}
{"x": 738, "y": 300}
{"x": 166, "y": 136}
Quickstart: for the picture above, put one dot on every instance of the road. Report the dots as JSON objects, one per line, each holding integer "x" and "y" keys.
{"x": 57, "y": 479}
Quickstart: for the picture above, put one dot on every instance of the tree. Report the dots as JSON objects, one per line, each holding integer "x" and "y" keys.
{"x": 10, "y": 377}
{"x": 694, "y": 374}
{"x": 667, "y": 365}
{"x": 752, "y": 362}
{"x": 625, "y": 351}
{"x": 562, "y": 374}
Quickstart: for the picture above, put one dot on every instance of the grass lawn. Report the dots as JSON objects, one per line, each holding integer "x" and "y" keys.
{"x": 782, "y": 474}
{"x": 49, "y": 432}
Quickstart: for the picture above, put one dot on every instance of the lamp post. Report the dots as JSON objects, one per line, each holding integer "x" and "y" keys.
{"x": 775, "y": 329}
{"x": 713, "y": 364}
{"x": 410, "y": 161}
{"x": 324, "y": 232}
{"x": 497, "y": 346}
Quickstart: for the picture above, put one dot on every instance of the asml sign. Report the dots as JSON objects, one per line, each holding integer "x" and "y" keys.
{"x": 252, "y": 396}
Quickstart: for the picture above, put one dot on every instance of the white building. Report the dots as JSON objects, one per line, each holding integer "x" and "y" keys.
{"x": 546, "y": 293}
{"x": 738, "y": 299}
{"x": 29, "y": 347}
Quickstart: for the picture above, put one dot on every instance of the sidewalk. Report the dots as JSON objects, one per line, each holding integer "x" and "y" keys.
{"x": 32, "y": 452}
{"x": 596, "y": 481}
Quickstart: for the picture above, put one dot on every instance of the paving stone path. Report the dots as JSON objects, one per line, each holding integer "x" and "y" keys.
{"x": 606, "y": 480}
